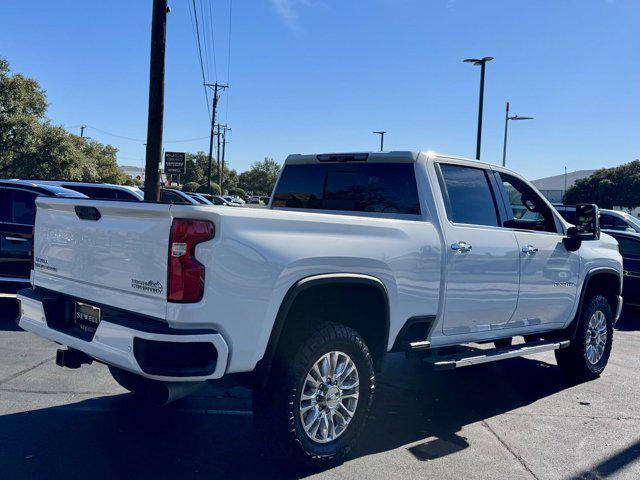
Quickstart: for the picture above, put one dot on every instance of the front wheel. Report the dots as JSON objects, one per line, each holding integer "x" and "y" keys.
{"x": 316, "y": 402}
{"x": 588, "y": 354}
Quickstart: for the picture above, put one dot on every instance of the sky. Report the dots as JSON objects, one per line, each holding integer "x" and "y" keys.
{"x": 310, "y": 76}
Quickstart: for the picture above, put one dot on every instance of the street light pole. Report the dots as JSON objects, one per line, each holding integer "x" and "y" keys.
{"x": 381, "y": 133}
{"x": 506, "y": 127}
{"x": 504, "y": 143}
{"x": 482, "y": 63}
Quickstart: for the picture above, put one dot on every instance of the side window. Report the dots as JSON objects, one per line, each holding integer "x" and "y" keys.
{"x": 167, "y": 196}
{"x": 4, "y": 205}
{"x": 611, "y": 222}
{"x": 529, "y": 211}
{"x": 22, "y": 207}
{"x": 468, "y": 196}
{"x": 629, "y": 247}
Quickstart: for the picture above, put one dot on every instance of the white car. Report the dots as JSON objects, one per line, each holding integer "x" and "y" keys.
{"x": 358, "y": 255}
{"x": 233, "y": 199}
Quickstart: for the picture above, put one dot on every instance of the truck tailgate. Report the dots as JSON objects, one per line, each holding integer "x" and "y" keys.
{"x": 119, "y": 258}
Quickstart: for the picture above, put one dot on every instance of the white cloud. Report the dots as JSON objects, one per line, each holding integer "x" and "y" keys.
{"x": 288, "y": 10}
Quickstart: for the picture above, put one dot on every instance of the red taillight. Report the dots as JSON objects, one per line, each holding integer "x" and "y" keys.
{"x": 186, "y": 274}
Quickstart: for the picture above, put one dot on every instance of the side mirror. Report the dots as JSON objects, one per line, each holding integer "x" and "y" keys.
{"x": 587, "y": 226}
{"x": 587, "y": 221}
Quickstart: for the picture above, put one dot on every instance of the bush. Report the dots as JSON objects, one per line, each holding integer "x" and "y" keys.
{"x": 238, "y": 191}
{"x": 215, "y": 188}
{"x": 190, "y": 187}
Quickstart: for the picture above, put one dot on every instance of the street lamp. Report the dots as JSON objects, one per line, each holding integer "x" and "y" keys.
{"x": 506, "y": 127}
{"x": 381, "y": 133}
{"x": 479, "y": 62}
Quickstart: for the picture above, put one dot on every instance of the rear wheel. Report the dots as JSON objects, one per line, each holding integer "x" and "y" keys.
{"x": 588, "y": 354}
{"x": 316, "y": 402}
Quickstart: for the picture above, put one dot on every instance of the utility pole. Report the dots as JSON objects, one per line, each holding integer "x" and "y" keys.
{"x": 156, "y": 101}
{"x": 481, "y": 62}
{"x": 82, "y": 127}
{"x": 218, "y": 126}
{"x": 381, "y": 133}
{"x": 216, "y": 86}
{"x": 224, "y": 145}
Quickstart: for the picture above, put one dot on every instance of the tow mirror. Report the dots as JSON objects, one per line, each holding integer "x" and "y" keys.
{"x": 587, "y": 226}
{"x": 587, "y": 221}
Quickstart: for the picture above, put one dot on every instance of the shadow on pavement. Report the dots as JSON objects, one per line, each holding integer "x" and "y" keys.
{"x": 8, "y": 315}
{"x": 117, "y": 436}
{"x": 629, "y": 320}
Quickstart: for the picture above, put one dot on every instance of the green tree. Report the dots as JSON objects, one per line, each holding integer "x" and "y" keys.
{"x": 608, "y": 187}
{"x": 190, "y": 186}
{"x": 237, "y": 191}
{"x": 215, "y": 188}
{"x": 30, "y": 147}
{"x": 261, "y": 177}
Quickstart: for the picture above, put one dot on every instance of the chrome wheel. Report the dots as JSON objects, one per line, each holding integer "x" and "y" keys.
{"x": 329, "y": 397}
{"x": 596, "y": 337}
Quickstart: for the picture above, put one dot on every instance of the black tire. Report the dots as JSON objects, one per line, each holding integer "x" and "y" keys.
{"x": 574, "y": 361}
{"x": 277, "y": 406}
{"x": 503, "y": 342}
{"x": 132, "y": 382}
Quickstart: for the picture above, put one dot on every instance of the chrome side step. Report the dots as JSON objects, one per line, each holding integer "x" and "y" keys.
{"x": 421, "y": 345}
{"x": 478, "y": 356}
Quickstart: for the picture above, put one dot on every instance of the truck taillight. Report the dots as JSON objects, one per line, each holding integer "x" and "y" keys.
{"x": 186, "y": 274}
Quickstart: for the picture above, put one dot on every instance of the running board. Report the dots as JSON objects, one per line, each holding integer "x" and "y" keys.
{"x": 477, "y": 356}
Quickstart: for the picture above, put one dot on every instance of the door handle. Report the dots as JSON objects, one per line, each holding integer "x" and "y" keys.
{"x": 17, "y": 239}
{"x": 529, "y": 250}
{"x": 461, "y": 247}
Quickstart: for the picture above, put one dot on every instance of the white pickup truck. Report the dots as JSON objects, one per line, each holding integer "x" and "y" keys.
{"x": 358, "y": 255}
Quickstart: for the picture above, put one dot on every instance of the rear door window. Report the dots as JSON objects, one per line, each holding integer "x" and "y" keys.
{"x": 468, "y": 195}
{"x": 22, "y": 206}
{"x": 362, "y": 187}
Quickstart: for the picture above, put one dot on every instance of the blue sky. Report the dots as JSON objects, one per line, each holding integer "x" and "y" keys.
{"x": 321, "y": 75}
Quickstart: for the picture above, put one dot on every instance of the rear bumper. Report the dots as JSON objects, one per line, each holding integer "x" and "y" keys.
{"x": 146, "y": 353}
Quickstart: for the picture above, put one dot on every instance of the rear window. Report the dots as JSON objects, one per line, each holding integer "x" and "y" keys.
{"x": 368, "y": 187}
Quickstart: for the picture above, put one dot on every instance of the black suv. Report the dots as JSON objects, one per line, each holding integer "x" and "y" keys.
{"x": 17, "y": 216}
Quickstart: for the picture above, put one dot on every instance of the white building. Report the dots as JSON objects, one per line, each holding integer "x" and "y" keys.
{"x": 554, "y": 187}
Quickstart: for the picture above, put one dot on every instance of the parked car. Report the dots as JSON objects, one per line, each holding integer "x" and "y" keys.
{"x": 629, "y": 244}
{"x": 198, "y": 197}
{"x": 254, "y": 200}
{"x": 17, "y": 216}
{"x": 100, "y": 191}
{"x": 173, "y": 196}
{"x": 233, "y": 199}
{"x": 610, "y": 220}
{"x": 359, "y": 254}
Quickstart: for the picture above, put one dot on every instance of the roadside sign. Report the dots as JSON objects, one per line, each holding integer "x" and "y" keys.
{"x": 175, "y": 162}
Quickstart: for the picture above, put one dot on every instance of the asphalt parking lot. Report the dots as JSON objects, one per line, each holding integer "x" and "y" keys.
{"x": 513, "y": 419}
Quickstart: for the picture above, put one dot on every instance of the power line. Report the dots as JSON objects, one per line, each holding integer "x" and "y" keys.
{"x": 142, "y": 141}
{"x": 213, "y": 39}
{"x": 226, "y": 100}
{"x": 196, "y": 28}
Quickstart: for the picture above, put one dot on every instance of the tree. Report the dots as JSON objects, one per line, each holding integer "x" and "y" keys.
{"x": 204, "y": 188}
{"x": 30, "y": 147}
{"x": 237, "y": 192}
{"x": 190, "y": 186}
{"x": 261, "y": 177}
{"x": 608, "y": 187}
